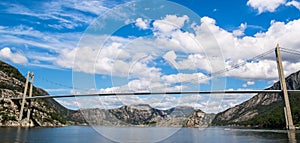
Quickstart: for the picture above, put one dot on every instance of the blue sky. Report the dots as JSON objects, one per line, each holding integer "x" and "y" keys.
{"x": 127, "y": 46}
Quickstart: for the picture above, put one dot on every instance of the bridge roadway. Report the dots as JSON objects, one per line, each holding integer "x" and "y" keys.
{"x": 157, "y": 93}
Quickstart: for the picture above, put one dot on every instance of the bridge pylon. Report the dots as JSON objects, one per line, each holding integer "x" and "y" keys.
{"x": 29, "y": 80}
{"x": 287, "y": 108}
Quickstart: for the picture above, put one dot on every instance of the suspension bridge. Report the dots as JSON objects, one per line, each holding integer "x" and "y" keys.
{"x": 284, "y": 91}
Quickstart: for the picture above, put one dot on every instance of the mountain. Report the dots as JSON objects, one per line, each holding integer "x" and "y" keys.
{"x": 145, "y": 115}
{"x": 264, "y": 110}
{"x": 44, "y": 112}
{"x": 199, "y": 119}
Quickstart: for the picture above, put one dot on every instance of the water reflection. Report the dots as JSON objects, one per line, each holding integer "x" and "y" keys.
{"x": 292, "y": 136}
{"x": 21, "y": 135}
{"x": 13, "y": 134}
{"x": 79, "y": 134}
{"x": 136, "y": 134}
{"x": 276, "y": 135}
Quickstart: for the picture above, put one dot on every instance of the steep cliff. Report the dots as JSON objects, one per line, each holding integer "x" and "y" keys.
{"x": 263, "y": 110}
{"x": 199, "y": 119}
{"x": 11, "y": 85}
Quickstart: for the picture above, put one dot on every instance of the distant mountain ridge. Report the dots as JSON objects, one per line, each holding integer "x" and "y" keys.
{"x": 264, "y": 110}
{"x": 145, "y": 115}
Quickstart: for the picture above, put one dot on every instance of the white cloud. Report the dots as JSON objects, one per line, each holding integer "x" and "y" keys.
{"x": 74, "y": 17}
{"x": 249, "y": 46}
{"x": 143, "y": 24}
{"x": 271, "y": 5}
{"x": 195, "y": 61}
{"x": 248, "y": 83}
{"x": 181, "y": 78}
{"x": 213, "y": 37}
{"x": 143, "y": 71}
{"x": 207, "y": 20}
{"x": 191, "y": 62}
{"x": 170, "y": 57}
{"x": 264, "y": 69}
{"x": 240, "y": 31}
{"x": 29, "y": 37}
{"x": 294, "y": 3}
{"x": 115, "y": 58}
{"x": 121, "y": 57}
{"x": 178, "y": 21}
{"x": 18, "y": 58}
{"x": 264, "y": 6}
{"x": 169, "y": 24}
{"x": 138, "y": 85}
{"x": 66, "y": 58}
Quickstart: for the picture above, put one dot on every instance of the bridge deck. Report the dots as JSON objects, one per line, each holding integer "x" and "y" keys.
{"x": 158, "y": 93}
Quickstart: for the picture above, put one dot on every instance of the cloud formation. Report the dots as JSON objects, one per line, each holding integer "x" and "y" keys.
{"x": 271, "y": 5}
{"x": 179, "y": 49}
{"x": 294, "y": 3}
{"x": 15, "y": 57}
{"x": 263, "y": 6}
{"x": 172, "y": 39}
{"x": 81, "y": 14}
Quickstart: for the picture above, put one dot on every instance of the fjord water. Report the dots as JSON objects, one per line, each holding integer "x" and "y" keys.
{"x": 80, "y": 134}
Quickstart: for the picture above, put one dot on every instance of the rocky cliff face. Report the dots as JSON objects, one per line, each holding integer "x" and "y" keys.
{"x": 138, "y": 114}
{"x": 258, "y": 106}
{"x": 199, "y": 119}
{"x": 144, "y": 115}
{"x": 11, "y": 85}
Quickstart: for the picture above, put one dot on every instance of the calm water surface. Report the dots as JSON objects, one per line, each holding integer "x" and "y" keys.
{"x": 86, "y": 134}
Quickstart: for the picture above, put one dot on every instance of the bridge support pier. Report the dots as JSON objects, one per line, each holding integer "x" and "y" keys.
{"x": 287, "y": 109}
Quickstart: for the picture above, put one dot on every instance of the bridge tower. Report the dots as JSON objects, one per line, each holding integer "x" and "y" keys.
{"x": 30, "y": 76}
{"x": 287, "y": 108}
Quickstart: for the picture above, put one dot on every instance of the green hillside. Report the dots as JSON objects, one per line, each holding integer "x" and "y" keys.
{"x": 264, "y": 110}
